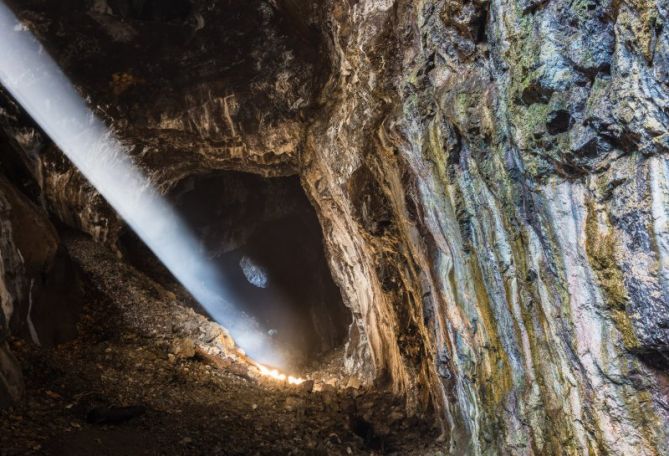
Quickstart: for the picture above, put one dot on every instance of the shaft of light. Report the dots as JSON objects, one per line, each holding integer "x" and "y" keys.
{"x": 40, "y": 87}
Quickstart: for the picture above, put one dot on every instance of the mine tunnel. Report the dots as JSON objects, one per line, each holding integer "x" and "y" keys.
{"x": 334, "y": 227}
{"x": 264, "y": 236}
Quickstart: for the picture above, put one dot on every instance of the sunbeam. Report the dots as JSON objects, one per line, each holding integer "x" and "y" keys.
{"x": 40, "y": 87}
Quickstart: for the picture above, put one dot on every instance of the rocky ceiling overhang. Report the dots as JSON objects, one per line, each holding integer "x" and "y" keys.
{"x": 491, "y": 179}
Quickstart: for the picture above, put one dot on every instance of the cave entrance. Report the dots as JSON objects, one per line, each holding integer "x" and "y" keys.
{"x": 264, "y": 235}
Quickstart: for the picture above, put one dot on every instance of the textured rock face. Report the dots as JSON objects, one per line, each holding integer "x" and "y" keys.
{"x": 491, "y": 179}
{"x": 523, "y": 187}
{"x": 38, "y": 286}
{"x": 11, "y": 383}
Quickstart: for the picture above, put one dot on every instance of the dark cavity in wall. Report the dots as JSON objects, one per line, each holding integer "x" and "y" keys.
{"x": 482, "y": 25}
{"x": 265, "y": 237}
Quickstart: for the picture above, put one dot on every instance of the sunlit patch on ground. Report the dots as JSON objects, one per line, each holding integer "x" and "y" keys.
{"x": 279, "y": 376}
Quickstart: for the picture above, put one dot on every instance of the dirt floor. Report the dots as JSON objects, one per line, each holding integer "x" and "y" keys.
{"x": 147, "y": 376}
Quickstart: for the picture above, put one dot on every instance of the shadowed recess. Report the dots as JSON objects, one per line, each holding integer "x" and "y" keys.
{"x": 264, "y": 236}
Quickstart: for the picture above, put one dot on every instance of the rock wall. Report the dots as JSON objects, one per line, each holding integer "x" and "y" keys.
{"x": 40, "y": 296}
{"x": 491, "y": 179}
{"x": 12, "y": 288}
{"x": 27, "y": 243}
{"x": 511, "y": 224}
{"x": 510, "y": 229}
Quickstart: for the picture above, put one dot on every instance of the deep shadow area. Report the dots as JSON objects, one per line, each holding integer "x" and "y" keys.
{"x": 265, "y": 237}
{"x": 48, "y": 311}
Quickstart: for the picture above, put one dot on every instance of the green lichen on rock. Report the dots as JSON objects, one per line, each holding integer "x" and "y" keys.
{"x": 601, "y": 250}
{"x": 644, "y": 21}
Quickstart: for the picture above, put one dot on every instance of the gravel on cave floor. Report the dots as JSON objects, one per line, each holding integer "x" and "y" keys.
{"x": 125, "y": 356}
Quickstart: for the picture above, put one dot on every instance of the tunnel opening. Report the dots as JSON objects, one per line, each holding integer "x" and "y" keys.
{"x": 264, "y": 236}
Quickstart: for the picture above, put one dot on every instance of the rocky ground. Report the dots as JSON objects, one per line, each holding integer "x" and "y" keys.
{"x": 149, "y": 376}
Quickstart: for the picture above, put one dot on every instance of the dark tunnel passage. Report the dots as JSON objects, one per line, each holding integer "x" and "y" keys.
{"x": 265, "y": 237}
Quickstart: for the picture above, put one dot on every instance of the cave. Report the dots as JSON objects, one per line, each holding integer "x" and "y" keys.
{"x": 334, "y": 227}
{"x": 264, "y": 236}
